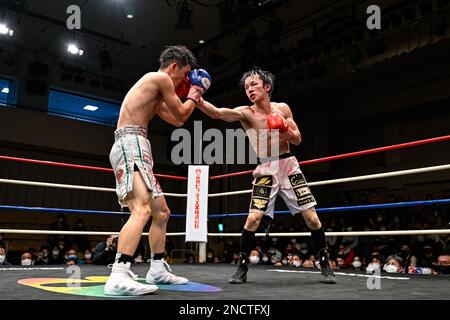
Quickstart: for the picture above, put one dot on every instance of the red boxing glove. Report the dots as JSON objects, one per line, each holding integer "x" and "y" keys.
{"x": 275, "y": 121}
{"x": 183, "y": 89}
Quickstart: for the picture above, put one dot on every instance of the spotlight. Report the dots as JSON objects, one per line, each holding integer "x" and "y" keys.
{"x": 201, "y": 41}
{"x": 5, "y": 30}
{"x": 73, "y": 49}
{"x": 90, "y": 108}
{"x": 5, "y": 90}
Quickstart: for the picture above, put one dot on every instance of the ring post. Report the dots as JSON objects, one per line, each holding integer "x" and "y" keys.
{"x": 197, "y": 208}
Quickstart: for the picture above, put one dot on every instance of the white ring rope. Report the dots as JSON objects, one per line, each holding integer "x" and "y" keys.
{"x": 230, "y": 193}
{"x": 86, "y": 233}
{"x": 356, "y": 178}
{"x": 274, "y": 234}
{"x": 71, "y": 186}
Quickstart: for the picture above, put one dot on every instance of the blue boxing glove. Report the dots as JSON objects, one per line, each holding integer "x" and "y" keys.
{"x": 200, "y": 78}
{"x": 200, "y": 82}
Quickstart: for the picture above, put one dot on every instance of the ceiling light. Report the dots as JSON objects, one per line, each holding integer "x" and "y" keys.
{"x": 90, "y": 108}
{"x": 130, "y": 16}
{"x": 73, "y": 49}
{"x": 201, "y": 41}
{"x": 5, "y": 90}
{"x": 5, "y": 30}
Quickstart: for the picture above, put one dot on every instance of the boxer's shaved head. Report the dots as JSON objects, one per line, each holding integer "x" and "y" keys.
{"x": 179, "y": 54}
{"x": 265, "y": 76}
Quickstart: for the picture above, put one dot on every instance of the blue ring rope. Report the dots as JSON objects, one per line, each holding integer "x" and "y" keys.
{"x": 319, "y": 210}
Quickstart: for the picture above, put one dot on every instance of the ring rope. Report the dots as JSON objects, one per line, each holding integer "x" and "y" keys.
{"x": 320, "y": 210}
{"x": 312, "y": 161}
{"x": 349, "y": 155}
{"x": 275, "y": 234}
{"x": 349, "y": 179}
{"x": 231, "y": 193}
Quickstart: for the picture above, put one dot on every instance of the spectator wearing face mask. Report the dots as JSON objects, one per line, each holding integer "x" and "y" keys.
{"x": 356, "y": 264}
{"x": 26, "y": 259}
{"x": 426, "y": 260}
{"x": 443, "y": 264}
{"x": 375, "y": 264}
{"x": 55, "y": 256}
{"x": 295, "y": 261}
{"x": 254, "y": 257}
{"x": 72, "y": 258}
{"x": 304, "y": 252}
{"x": 409, "y": 259}
{"x": 87, "y": 257}
{"x": 394, "y": 264}
{"x": 265, "y": 259}
{"x": 209, "y": 256}
{"x": 3, "y": 261}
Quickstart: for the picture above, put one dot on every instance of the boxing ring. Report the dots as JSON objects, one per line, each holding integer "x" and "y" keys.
{"x": 209, "y": 281}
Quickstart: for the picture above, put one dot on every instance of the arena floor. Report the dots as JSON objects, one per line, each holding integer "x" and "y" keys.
{"x": 209, "y": 282}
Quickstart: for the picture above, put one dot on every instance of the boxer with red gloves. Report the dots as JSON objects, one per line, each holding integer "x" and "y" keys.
{"x": 132, "y": 161}
{"x": 278, "y": 172}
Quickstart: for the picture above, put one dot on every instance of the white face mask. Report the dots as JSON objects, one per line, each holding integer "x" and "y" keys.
{"x": 296, "y": 263}
{"x": 2, "y": 258}
{"x": 293, "y": 240}
{"x": 265, "y": 259}
{"x": 254, "y": 259}
{"x": 372, "y": 267}
{"x": 209, "y": 256}
{"x": 88, "y": 256}
{"x": 297, "y": 246}
{"x": 284, "y": 262}
{"x": 26, "y": 262}
{"x": 304, "y": 251}
{"x": 357, "y": 264}
{"x": 55, "y": 253}
{"x": 390, "y": 268}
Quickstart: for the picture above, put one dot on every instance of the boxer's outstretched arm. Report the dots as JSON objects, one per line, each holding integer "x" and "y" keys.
{"x": 225, "y": 114}
{"x": 180, "y": 111}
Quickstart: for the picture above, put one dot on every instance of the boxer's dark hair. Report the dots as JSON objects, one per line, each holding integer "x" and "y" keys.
{"x": 265, "y": 76}
{"x": 181, "y": 55}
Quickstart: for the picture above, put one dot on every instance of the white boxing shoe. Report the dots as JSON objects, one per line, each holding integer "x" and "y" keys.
{"x": 160, "y": 272}
{"x": 122, "y": 282}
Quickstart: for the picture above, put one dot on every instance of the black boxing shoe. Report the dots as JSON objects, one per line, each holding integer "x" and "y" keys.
{"x": 325, "y": 269}
{"x": 240, "y": 275}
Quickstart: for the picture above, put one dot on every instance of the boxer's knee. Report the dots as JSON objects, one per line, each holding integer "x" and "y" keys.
{"x": 161, "y": 216}
{"x": 253, "y": 221}
{"x": 141, "y": 214}
{"x": 313, "y": 222}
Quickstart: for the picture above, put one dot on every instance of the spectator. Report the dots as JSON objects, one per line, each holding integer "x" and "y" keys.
{"x": 105, "y": 251}
{"x": 254, "y": 257}
{"x": 265, "y": 259}
{"x": 26, "y": 259}
{"x": 61, "y": 225}
{"x": 235, "y": 259}
{"x": 80, "y": 241}
{"x": 443, "y": 263}
{"x": 394, "y": 264}
{"x": 308, "y": 264}
{"x": 356, "y": 263}
{"x": 375, "y": 264}
{"x": 56, "y": 257}
{"x": 3, "y": 261}
{"x": 43, "y": 257}
{"x": 426, "y": 261}
{"x": 295, "y": 260}
{"x": 87, "y": 257}
{"x": 409, "y": 259}
{"x": 209, "y": 256}
{"x": 190, "y": 259}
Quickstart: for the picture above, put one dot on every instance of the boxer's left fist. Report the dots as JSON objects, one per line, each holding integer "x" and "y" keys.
{"x": 200, "y": 82}
{"x": 200, "y": 78}
{"x": 276, "y": 121}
